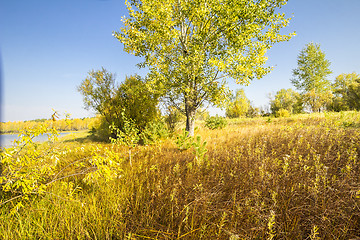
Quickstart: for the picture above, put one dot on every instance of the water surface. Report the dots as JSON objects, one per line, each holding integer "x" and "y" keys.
{"x": 7, "y": 140}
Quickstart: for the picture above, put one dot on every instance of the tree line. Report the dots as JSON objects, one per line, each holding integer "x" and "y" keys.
{"x": 67, "y": 124}
{"x": 315, "y": 93}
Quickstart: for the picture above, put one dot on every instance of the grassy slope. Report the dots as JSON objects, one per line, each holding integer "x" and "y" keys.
{"x": 291, "y": 178}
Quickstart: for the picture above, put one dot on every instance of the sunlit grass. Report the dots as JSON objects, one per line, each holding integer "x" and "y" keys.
{"x": 78, "y": 136}
{"x": 264, "y": 178}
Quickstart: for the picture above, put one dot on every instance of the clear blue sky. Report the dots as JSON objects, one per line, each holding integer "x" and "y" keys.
{"x": 48, "y": 47}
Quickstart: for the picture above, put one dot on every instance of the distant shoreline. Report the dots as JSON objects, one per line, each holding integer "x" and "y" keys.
{"x": 61, "y": 125}
{"x": 13, "y": 133}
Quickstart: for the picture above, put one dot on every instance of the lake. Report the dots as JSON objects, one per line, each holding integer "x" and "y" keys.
{"x": 7, "y": 140}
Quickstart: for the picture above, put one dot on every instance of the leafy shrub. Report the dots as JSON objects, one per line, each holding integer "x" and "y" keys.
{"x": 286, "y": 99}
{"x": 282, "y": 113}
{"x": 253, "y": 112}
{"x": 199, "y": 150}
{"x": 238, "y": 106}
{"x": 348, "y": 124}
{"x": 100, "y": 130}
{"x": 26, "y": 168}
{"x": 128, "y": 135}
{"x": 215, "y": 122}
{"x": 31, "y": 169}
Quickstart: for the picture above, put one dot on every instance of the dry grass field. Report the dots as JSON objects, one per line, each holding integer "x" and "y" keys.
{"x": 264, "y": 178}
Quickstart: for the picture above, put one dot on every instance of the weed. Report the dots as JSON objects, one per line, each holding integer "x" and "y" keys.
{"x": 199, "y": 150}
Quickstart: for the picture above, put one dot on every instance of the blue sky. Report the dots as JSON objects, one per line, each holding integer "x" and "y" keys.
{"x": 48, "y": 47}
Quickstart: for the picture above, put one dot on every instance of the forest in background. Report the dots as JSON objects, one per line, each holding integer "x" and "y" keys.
{"x": 76, "y": 124}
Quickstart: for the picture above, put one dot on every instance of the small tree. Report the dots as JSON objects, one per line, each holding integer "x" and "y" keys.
{"x": 190, "y": 47}
{"x": 238, "y": 106}
{"x": 130, "y": 100}
{"x": 286, "y": 99}
{"x": 310, "y": 77}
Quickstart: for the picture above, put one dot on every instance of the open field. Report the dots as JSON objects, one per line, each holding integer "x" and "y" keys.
{"x": 263, "y": 178}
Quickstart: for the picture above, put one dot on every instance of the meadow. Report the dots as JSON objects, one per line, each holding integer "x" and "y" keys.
{"x": 262, "y": 178}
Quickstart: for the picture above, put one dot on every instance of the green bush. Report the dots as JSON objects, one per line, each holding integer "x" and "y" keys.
{"x": 215, "y": 122}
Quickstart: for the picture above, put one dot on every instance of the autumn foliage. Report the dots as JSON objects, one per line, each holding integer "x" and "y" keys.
{"x": 60, "y": 124}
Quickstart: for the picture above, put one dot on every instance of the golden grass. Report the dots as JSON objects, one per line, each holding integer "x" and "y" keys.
{"x": 287, "y": 178}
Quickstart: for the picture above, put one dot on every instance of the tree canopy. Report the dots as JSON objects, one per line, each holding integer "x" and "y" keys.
{"x": 98, "y": 88}
{"x": 346, "y": 92}
{"x": 137, "y": 101}
{"x": 310, "y": 77}
{"x": 190, "y": 47}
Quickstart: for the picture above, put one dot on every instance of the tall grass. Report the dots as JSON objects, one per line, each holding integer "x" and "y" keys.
{"x": 286, "y": 178}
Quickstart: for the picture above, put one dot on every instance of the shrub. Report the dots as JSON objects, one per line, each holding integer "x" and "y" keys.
{"x": 282, "y": 113}
{"x": 100, "y": 130}
{"x": 253, "y": 112}
{"x": 215, "y": 122}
